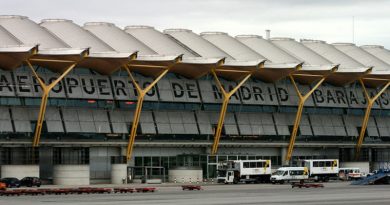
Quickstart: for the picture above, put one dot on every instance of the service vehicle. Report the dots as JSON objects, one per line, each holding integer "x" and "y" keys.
{"x": 322, "y": 169}
{"x": 350, "y": 173}
{"x": 290, "y": 174}
{"x": 30, "y": 182}
{"x": 246, "y": 171}
{"x": 3, "y": 186}
{"x": 11, "y": 182}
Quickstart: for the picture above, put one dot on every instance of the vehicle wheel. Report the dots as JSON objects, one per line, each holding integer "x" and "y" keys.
{"x": 281, "y": 182}
{"x": 273, "y": 182}
{"x": 38, "y": 185}
{"x": 326, "y": 179}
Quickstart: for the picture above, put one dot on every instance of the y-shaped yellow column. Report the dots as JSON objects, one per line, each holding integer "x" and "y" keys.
{"x": 301, "y": 103}
{"x": 370, "y": 103}
{"x": 141, "y": 95}
{"x": 45, "y": 95}
{"x": 226, "y": 97}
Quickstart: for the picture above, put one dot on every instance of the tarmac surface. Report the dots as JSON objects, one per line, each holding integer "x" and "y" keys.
{"x": 332, "y": 193}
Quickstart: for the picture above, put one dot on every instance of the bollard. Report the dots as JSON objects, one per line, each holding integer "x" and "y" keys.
{"x": 174, "y": 180}
{"x": 190, "y": 180}
{"x": 212, "y": 180}
{"x": 182, "y": 180}
{"x": 197, "y": 180}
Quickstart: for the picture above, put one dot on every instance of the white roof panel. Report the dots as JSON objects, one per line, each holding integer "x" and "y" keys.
{"x": 117, "y": 38}
{"x": 6, "y": 39}
{"x": 231, "y": 46}
{"x": 300, "y": 51}
{"x": 74, "y": 35}
{"x": 335, "y": 56}
{"x": 267, "y": 49}
{"x": 378, "y": 51}
{"x": 30, "y": 33}
{"x": 363, "y": 57}
{"x": 158, "y": 41}
{"x": 197, "y": 43}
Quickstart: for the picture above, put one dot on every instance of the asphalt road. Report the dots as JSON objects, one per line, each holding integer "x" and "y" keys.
{"x": 333, "y": 193}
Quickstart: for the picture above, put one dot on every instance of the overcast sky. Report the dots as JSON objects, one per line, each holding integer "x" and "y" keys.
{"x": 330, "y": 20}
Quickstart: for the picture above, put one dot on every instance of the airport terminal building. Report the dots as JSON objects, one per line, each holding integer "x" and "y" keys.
{"x": 77, "y": 100}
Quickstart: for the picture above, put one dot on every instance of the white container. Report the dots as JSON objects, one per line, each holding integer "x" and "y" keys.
{"x": 185, "y": 175}
{"x": 71, "y": 175}
{"x": 19, "y": 171}
{"x": 118, "y": 173}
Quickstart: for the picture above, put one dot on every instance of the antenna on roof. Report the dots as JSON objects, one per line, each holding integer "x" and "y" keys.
{"x": 267, "y": 34}
{"x": 353, "y": 29}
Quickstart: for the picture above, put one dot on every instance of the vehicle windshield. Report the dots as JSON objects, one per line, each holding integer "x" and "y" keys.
{"x": 221, "y": 173}
{"x": 279, "y": 172}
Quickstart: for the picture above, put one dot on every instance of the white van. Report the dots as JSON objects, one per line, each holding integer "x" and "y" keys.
{"x": 288, "y": 174}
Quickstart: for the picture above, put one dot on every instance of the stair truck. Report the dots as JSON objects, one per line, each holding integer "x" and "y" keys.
{"x": 322, "y": 169}
{"x": 245, "y": 171}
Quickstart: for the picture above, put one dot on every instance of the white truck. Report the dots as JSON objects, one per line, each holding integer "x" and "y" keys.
{"x": 246, "y": 171}
{"x": 290, "y": 174}
{"x": 322, "y": 169}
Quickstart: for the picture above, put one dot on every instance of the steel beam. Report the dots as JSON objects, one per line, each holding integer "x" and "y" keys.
{"x": 226, "y": 97}
{"x": 301, "y": 103}
{"x": 46, "y": 88}
{"x": 370, "y": 103}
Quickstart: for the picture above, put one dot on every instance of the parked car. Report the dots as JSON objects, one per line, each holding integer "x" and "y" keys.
{"x": 3, "y": 186}
{"x": 30, "y": 181}
{"x": 11, "y": 182}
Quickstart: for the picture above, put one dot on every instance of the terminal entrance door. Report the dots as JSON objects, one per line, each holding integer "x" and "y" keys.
{"x": 145, "y": 173}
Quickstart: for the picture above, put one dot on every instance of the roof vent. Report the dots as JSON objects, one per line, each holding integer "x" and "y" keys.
{"x": 343, "y": 44}
{"x": 172, "y": 30}
{"x": 372, "y": 46}
{"x": 312, "y": 41}
{"x": 13, "y": 17}
{"x": 267, "y": 34}
{"x": 99, "y": 24}
{"x": 212, "y": 33}
{"x": 139, "y": 27}
{"x": 248, "y": 36}
{"x": 282, "y": 39}
{"x": 55, "y": 20}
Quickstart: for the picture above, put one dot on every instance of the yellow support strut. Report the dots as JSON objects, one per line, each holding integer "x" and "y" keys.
{"x": 370, "y": 103}
{"x": 46, "y": 90}
{"x": 226, "y": 97}
{"x": 301, "y": 103}
{"x": 141, "y": 95}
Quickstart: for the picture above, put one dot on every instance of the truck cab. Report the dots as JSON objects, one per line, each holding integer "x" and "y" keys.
{"x": 227, "y": 177}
